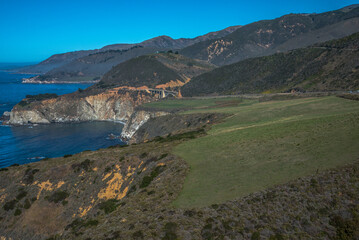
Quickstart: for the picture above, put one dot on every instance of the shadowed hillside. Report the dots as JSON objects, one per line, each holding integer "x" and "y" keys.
{"x": 153, "y": 70}
{"x": 282, "y": 34}
{"x": 330, "y": 66}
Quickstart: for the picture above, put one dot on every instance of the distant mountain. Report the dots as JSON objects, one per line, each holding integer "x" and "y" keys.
{"x": 271, "y": 36}
{"x": 166, "y": 42}
{"x": 14, "y": 65}
{"x": 91, "y": 64}
{"x": 55, "y": 61}
{"x": 329, "y": 66}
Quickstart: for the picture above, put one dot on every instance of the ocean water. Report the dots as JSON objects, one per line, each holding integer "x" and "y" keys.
{"x": 24, "y": 144}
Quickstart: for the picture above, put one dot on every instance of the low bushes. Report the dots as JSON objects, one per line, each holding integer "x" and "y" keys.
{"x": 58, "y": 196}
{"x": 109, "y": 205}
{"x": 148, "y": 179}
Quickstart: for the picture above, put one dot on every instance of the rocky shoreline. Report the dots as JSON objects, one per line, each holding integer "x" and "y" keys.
{"x": 109, "y": 105}
{"x": 34, "y": 80}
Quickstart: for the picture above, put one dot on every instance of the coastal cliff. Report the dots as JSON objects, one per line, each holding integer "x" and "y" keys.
{"x": 117, "y": 95}
{"x": 109, "y": 105}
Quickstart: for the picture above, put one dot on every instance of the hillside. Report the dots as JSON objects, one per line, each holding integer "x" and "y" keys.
{"x": 329, "y": 66}
{"x": 153, "y": 70}
{"x": 271, "y": 170}
{"x": 91, "y": 64}
{"x": 278, "y": 35}
{"x": 115, "y": 97}
{"x": 55, "y": 61}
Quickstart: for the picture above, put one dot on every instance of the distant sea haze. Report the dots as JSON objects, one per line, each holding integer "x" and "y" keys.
{"x": 24, "y": 144}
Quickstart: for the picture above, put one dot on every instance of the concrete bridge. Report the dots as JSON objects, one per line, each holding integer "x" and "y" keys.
{"x": 163, "y": 93}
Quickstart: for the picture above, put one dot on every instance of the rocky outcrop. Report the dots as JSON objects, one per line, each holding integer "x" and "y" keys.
{"x": 170, "y": 124}
{"x": 137, "y": 119}
{"x": 109, "y": 105}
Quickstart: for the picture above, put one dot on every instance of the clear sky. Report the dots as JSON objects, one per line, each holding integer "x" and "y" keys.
{"x": 33, "y": 30}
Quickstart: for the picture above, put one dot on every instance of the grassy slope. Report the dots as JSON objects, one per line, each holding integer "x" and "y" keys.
{"x": 264, "y": 144}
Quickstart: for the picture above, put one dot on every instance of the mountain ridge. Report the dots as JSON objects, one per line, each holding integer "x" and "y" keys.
{"x": 329, "y": 66}
{"x": 154, "y": 44}
{"x": 266, "y": 37}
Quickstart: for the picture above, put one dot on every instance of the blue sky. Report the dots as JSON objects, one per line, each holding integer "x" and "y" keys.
{"x": 34, "y": 30}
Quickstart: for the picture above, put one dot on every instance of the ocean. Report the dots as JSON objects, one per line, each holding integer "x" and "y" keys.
{"x": 24, "y": 144}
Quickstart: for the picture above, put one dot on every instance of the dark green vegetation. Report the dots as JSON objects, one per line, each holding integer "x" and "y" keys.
{"x": 278, "y": 35}
{"x": 175, "y": 105}
{"x": 330, "y": 66}
{"x": 354, "y": 97}
{"x": 153, "y": 70}
{"x": 148, "y": 179}
{"x": 109, "y": 205}
{"x": 32, "y": 98}
{"x": 171, "y": 127}
{"x": 58, "y": 196}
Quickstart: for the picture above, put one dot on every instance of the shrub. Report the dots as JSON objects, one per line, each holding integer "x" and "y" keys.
{"x": 23, "y": 103}
{"x": 107, "y": 169}
{"x": 10, "y": 205}
{"x": 29, "y": 175}
{"x": 143, "y": 155}
{"x": 109, "y": 205}
{"x": 313, "y": 182}
{"x": 345, "y": 228}
{"x": 27, "y": 204}
{"x": 90, "y": 223}
{"x": 256, "y": 236}
{"x": 170, "y": 231}
{"x": 163, "y": 156}
{"x": 85, "y": 165}
{"x": 3, "y": 169}
{"x": 186, "y": 135}
{"x": 277, "y": 236}
{"x": 148, "y": 179}
{"x": 21, "y": 195}
{"x": 138, "y": 235}
{"x": 17, "y": 212}
{"x": 40, "y": 97}
{"x": 67, "y": 155}
{"x": 132, "y": 189}
{"x": 58, "y": 196}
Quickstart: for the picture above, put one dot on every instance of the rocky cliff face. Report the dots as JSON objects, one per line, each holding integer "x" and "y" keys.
{"x": 114, "y": 105}
{"x": 137, "y": 120}
{"x": 158, "y": 125}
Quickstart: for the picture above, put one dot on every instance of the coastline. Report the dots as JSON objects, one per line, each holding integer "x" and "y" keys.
{"x": 33, "y": 80}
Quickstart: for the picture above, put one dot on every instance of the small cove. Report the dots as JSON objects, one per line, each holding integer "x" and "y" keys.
{"x": 24, "y": 144}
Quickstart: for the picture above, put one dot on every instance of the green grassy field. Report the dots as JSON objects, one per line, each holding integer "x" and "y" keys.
{"x": 264, "y": 144}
